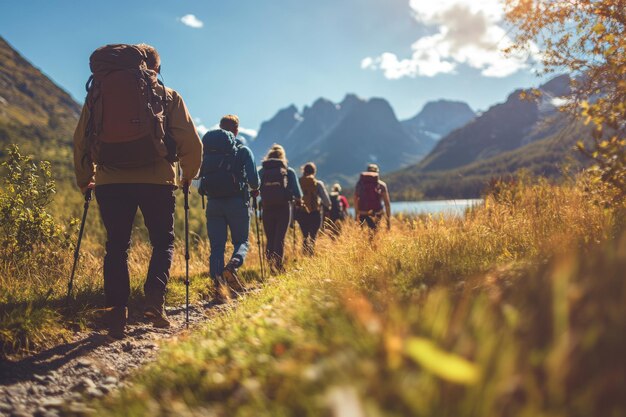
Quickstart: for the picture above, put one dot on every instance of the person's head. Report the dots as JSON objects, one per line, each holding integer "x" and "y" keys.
{"x": 372, "y": 168}
{"x": 336, "y": 188}
{"x": 230, "y": 122}
{"x": 153, "y": 60}
{"x": 309, "y": 169}
{"x": 276, "y": 152}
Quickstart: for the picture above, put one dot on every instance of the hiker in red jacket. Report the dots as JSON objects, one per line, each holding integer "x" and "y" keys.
{"x": 369, "y": 195}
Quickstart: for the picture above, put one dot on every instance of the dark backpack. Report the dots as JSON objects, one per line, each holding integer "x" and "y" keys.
{"x": 221, "y": 174}
{"x": 127, "y": 104}
{"x": 274, "y": 190}
{"x": 369, "y": 192}
{"x": 336, "y": 207}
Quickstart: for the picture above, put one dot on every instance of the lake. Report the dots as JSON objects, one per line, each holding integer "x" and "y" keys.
{"x": 447, "y": 207}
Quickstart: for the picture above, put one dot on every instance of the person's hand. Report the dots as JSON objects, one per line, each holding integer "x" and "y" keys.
{"x": 254, "y": 193}
{"x": 89, "y": 186}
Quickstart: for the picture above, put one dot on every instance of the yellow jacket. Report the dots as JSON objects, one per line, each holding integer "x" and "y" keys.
{"x": 188, "y": 147}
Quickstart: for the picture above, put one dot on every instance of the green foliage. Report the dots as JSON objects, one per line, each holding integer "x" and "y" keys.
{"x": 27, "y": 327}
{"x": 25, "y": 222}
{"x": 584, "y": 38}
{"x": 547, "y": 158}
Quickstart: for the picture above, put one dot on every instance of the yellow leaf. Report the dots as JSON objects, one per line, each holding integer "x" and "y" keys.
{"x": 598, "y": 28}
{"x": 445, "y": 365}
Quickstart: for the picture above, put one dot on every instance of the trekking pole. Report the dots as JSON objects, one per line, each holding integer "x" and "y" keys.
{"x": 293, "y": 226}
{"x": 77, "y": 249}
{"x": 186, "y": 192}
{"x": 258, "y": 235}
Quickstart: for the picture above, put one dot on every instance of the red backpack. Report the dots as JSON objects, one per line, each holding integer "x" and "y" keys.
{"x": 369, "y": 192}
{"x": 126, "y": 126}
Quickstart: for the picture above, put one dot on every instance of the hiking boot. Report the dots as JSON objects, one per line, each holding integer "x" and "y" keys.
{"x": 155, "y": 311}
{"x": 115, "y": 318}
{"x": 231, "y": 276}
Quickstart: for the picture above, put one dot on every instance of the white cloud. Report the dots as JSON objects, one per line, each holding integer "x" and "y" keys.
{"x": 250, "y": 132}
{"x": 465, "y": 32}
{"x": 560, "y": 101}
{"x": 192, "y": 21}
{"x": 200, "y": 127}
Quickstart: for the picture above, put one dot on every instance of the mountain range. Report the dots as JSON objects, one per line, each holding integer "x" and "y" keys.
{"x": 445, "y": 150}
{"x": 342, "y": 138}
{"x": 517, "y": 134}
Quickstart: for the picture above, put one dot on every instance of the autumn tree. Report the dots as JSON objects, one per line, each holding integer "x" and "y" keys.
{"x": 587, "y": 39}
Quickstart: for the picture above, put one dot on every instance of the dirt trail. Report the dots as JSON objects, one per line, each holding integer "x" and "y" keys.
{"x": 91, "y": 366}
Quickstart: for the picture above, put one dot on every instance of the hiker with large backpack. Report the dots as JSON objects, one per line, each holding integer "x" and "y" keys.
{"x": 370, "y": 194}
{"x": 338, "y": 212}
{"x": 315, "y": 199}
{"x": 279, "y": 188}
{"x": 227, "y": 178}
{"x": 130, "y": 133}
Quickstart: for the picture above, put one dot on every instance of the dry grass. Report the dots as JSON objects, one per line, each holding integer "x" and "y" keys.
{"x": 518, "y": 309}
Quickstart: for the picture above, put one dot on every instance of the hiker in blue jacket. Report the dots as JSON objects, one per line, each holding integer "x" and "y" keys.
{"x": 227, "y": 178}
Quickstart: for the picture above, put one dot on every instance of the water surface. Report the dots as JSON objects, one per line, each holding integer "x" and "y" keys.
{"x": 446, "y": 207}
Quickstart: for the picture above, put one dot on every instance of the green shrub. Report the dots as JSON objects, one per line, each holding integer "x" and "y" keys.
{"x": 25, "y": 222}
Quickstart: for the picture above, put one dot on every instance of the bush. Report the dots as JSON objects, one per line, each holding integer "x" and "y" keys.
{"x": 25, "y": 223}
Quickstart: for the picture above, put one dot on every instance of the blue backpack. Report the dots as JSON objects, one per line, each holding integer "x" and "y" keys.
{"x": 221, "y": 174}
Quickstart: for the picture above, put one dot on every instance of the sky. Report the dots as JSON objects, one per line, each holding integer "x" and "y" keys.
{"x": 254, "y": 57}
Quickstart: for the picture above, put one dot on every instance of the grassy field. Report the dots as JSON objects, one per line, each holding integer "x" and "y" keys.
{"x": 517, "y": 309}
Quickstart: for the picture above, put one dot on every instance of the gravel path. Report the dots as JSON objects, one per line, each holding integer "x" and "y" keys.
{"x": 91, "y": 366}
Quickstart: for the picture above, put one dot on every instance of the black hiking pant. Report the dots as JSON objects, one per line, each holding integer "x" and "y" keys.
{"x": 310, "y": 224}
{"x": 276, "y": 221}
{"x": 118, "y": 205}
{"x": 371, "y": 221}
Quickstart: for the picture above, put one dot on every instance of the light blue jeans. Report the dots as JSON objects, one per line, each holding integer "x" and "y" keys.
{"x": 223, "y": 214}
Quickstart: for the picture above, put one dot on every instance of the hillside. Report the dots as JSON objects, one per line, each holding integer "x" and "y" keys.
{"x": 516, "y": 134}
{"x": 35, "y": 113}
{"x": 341, "y": 138}
{"x": 545, "y": 157}
{"x": 504, "y": 127}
